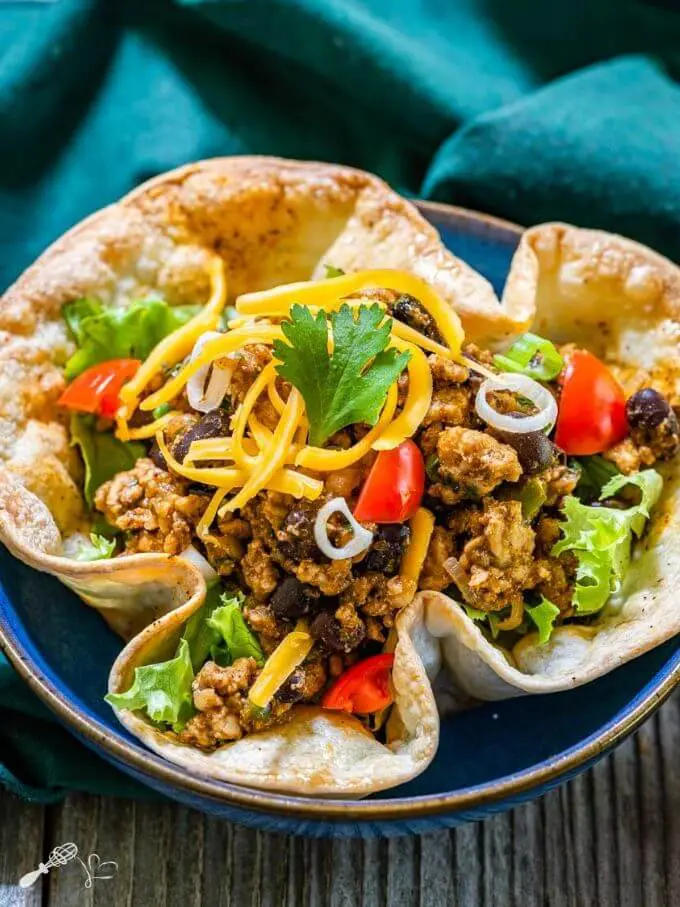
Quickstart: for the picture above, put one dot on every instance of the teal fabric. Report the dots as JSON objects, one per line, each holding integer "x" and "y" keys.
{"x": 521, "y": 108}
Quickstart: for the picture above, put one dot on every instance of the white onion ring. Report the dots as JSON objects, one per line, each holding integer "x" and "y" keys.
{"x": 359, "y": 542}
{"x": 540, "y": 396}
{"x": 202, "y": 398}
{"x": 195, "y": 557}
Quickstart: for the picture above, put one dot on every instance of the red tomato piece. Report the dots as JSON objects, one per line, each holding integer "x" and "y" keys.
{"x": 395, "y": 486}
{"x": 97, "y": 389}
{"x": 363, "y": 688}
{"x": 592, "y": 410}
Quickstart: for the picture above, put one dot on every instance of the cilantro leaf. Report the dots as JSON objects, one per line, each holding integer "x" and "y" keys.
{"x": 103, "y": 454}
{"x": 162, "y": 690}
{"x": 348, "y": 385}
{"x": 114, "y": 332}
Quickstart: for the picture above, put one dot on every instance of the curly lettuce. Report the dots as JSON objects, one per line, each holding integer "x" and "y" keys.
{"x": 162, "y": 690}
{"x": 601, "y": 538}
{"x": 218, "y": 631}
{"x": 112, "y": 332}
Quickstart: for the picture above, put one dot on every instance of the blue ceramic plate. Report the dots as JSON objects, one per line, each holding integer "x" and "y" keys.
{"x": 489, "y": 759}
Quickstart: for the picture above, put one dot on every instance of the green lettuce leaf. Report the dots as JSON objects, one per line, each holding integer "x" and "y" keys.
{"x": 594, "y": 472}
{"x": 200, "y": 636}
{"x": 102, "y": 453}
{"x": 103, "y": 333}
{"x": 96, "y": 548}
{"x": 601, "y": 538}
{"x": 544, "y": 616}
{"x": 229, "y": 622}
{"x": 491, "y": 618}
{"x": 162, "y": 690}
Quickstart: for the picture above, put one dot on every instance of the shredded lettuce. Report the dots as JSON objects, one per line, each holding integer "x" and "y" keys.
{"x": 491, "y": 618}
{"x": 94, "y": 548}
{"x": 239, "y": 640}
{"x": 162, "y": 690}
{"x": 218, "y": 631}
{"x": 594, "y": 472}
{"x": 601, "y": 538}
{"x": 102, "y": 453}
{"x": 108, "y": 332}
{"x": 544, "y": 616}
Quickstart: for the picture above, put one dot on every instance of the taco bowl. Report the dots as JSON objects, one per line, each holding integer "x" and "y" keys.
{"x": 317, "y": 459}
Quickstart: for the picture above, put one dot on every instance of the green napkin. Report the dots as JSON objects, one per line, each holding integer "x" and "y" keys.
{"x": 527, "y": 110}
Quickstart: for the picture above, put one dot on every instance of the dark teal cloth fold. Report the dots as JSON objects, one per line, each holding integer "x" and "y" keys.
{"x": 528, "y": 110}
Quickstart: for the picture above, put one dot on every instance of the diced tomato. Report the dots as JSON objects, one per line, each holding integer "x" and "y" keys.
{"x": 592, "y": 410}
{"x": 363, "y": 688}
{"x": 395, "y": 486}
{"x": 97, "y": 389}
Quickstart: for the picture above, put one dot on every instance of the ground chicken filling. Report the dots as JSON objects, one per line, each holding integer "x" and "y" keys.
{"x": 488, "y": 548}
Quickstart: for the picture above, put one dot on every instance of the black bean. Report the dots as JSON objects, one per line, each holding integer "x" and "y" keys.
{"x": 328, "y": 629}
{"x": 292, "y": 599}
{"x": 212, "y": 425}
{"x": 296, "y": 536}
{"x": 647, "y": 409}
{"x": 415, "y": 315}
{"x": 535, "y": 451}
{"x": 157, "y": 458}
{"x": 386, "y": 551}
{"x": 293, "y": 689}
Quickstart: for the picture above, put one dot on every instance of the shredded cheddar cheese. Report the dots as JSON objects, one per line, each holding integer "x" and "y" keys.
{"x": 173, "y": 348}
{"x": 253, "y": 457}
{"x": 417, "y": 401}
{"x": 204, "y": 524}
{"x": 213, "y": 349}
{"x": 274, "y": 456}
{"x": 330, "y": 293}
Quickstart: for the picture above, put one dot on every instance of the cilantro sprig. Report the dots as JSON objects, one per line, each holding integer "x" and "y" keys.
{"x": 349, "y": 384}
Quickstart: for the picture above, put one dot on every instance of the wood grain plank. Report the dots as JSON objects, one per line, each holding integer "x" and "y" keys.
{"x": 217, "y": 868}
{"x": 436, "y": 870}
{"x": 185, "y": 858}
{"x": 376, "y": 868}
{"x": 651, "y": 813}
{"x": 403, "y": 876}
{"x": 21, "y": 850}
{"x": 585, "y": 856}
{"x": 669, "y": 780}
{"x": 75, "y": 820}
{"x": 115, "y": 840}
{"x": 606, "y": 877}
{"x": 627, "y": 824}
{"x": 528, "y": 856}
{"x": 497, "y": 843}
{"x": 152, "y": 836}
{"x": 468, "y": 864}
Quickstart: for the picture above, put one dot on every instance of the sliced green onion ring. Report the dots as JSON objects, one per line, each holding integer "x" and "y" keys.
{"x": 533, "y": 356}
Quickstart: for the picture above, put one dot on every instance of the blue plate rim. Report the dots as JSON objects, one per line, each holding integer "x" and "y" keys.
{"x": 542, "y": 775}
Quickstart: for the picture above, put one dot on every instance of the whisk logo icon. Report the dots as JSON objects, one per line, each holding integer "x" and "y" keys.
{"x": 65, "y": 853}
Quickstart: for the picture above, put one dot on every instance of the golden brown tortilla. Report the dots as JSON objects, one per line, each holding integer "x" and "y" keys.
{"x": 621, "y": 301}
{"x": 272, "y": 221}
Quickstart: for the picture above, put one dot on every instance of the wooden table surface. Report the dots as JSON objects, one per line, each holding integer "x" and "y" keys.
{"x": 611, "y": 837}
